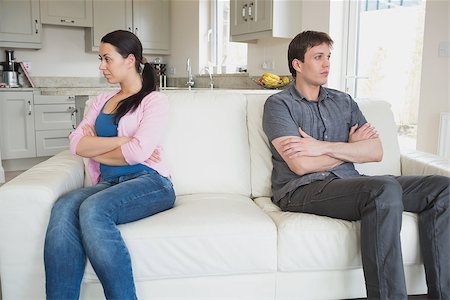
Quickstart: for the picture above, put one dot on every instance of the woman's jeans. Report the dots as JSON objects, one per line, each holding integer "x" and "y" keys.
{"x": 83, "y": 224}
{"x": 379, "y": 201}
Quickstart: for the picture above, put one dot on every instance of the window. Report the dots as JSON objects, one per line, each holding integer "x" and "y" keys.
{"x": 226, "y": 56}
{"x": 385, "y": 58}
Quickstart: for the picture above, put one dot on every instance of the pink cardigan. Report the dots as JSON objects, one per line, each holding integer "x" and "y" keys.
{"x": 147, "y": 125}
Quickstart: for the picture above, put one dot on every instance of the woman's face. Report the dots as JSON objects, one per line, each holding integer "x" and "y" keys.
{"x": 114, "y": 67}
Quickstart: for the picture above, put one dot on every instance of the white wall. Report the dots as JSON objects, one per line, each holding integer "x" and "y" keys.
{"x": 62, "y": 54}
{"x": 184, "y": 36}
{"x": 314, "y": 15}
{"x": 434, "y": 95}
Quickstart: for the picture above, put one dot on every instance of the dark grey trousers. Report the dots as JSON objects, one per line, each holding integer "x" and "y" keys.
{"x": 378, "y": 201}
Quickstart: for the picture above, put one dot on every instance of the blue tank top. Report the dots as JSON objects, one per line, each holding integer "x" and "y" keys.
{"x": 105, "y": 127}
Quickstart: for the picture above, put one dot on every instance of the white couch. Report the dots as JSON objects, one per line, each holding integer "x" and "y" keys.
{"x": 224, "y": 239}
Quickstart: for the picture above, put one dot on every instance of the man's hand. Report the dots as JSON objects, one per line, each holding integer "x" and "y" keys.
{"x": 365, "y": 132}
{"x": 301, "y": 146}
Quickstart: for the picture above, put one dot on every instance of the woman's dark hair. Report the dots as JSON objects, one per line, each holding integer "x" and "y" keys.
{"x": 127, "y": 43}
{"x": 302, "y": 42}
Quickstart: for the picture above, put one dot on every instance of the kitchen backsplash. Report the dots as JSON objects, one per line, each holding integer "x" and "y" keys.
{"x": 222, "y": 81}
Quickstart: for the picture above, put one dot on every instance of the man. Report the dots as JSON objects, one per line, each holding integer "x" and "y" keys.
{"x": 316, "y": 135}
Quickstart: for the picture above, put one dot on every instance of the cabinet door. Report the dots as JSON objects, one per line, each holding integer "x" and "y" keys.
{"x": 239, "y": 16}
{"x": 109, "y": 16}
{"x": 67, "y": 12}
{"x": 54, "y": 116}
{"x": 151, "y": 25}
{"x": 20, "y": 24}
{"x": 260, "y": 15}
{"x": 17, "y": 125}
{"x": 51, "y": 142}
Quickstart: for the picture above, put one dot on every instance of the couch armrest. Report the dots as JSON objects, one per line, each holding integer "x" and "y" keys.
{"x": 422, "y": 163}
{"x": 25, "y": 206}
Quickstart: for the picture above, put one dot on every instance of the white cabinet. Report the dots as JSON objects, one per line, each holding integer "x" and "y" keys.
{"x": 151, "y": 25}
{"x": 255, "y": 19}
{"x": 67, "y": 12}
{"x": 55, "y": 118}
{"x": 148, "y": 19}
{"x": 20, "y": 24}
{"x": 33, "y": 125}
{"x": 17, "y": 125}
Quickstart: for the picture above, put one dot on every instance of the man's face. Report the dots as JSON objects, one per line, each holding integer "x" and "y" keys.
{"x": 314, "y": 71}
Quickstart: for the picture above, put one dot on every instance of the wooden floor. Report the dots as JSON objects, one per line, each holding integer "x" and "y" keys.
{"x": 10, "y": 175}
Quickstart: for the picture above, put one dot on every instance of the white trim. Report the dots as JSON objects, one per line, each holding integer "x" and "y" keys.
{"x": 444, "y": 135}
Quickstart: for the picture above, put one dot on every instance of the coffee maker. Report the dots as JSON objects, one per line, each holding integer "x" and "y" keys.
{"x": 10, "y": 70}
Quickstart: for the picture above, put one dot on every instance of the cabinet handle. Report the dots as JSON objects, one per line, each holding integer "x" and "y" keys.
{"x": 29, "y": 108}
{"x": 71, "y": 109}
{"x": 250, "y": 11}
{"x": 67, "y": 21}
{"x": 136, "y": 31}
{"x": 244, "y": 12}
{"x": 71, "y": 98}
{"x": 73, "y": 115}
{"x": 36, "y": 26}
{"x": 130, "y": 29}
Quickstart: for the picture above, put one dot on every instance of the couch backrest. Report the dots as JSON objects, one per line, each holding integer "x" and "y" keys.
{"x": 207, "y": 142}
{"x": 378, "y": 113}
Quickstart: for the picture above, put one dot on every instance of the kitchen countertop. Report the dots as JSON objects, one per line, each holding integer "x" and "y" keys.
{"x": 93, "y": 91}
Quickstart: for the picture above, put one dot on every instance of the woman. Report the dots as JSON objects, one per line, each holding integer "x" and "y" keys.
{"x": 119, "y": 134}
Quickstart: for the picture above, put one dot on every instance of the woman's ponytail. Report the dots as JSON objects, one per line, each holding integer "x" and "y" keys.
{"x": 128, "y": 43}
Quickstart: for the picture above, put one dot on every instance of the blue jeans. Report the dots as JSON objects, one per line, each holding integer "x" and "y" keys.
{"x": 83, "y": 224}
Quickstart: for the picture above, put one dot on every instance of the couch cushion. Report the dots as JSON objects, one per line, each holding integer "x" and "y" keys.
{"x": 377, "y": 113}
{"x": 261, "y": 157}
{"x": 207, "y": 142}
{"x": 311, "y": 242}
{"x": 205, "y": 234}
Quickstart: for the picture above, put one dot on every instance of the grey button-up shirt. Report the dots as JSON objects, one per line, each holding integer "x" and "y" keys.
{"x": 328, "y": 119}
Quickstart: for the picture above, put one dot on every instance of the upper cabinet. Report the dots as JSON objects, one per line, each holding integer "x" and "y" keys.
{"x": 20, "y": 24}
{"x": 255, "y": 19}
{"x": 151, "y": 25}
{"x": 148, "y": 19}
{"x": 68, "y": 12}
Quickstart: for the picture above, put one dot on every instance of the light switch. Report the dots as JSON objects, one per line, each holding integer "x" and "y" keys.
{"x": 444, "y": 49}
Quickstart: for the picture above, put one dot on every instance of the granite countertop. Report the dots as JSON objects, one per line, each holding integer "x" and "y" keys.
{"x": 72, "y": 86}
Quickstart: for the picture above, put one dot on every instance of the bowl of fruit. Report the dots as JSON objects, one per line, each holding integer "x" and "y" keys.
{"x": 272, "y": 81}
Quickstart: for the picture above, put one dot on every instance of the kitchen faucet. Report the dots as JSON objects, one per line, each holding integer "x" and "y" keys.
{"x": 190, "y": 82}
{"x": 211, "y": 81}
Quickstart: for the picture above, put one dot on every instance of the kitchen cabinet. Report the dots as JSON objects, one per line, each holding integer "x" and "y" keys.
{"x": 67, "y": 12}
{"x": 148, "y": 19}
{"x": 17, "y": 125}
{"x": 255, "y": 19}
{"x": 20, "y": 24}
{"x": 54, "y": 119}
{"x": 34, "y": 125}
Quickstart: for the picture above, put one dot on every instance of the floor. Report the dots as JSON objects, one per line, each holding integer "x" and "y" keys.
{"x": 10, "y": 175}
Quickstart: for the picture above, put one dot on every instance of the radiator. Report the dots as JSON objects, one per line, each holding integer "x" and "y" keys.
{"x": 444, "y": 135}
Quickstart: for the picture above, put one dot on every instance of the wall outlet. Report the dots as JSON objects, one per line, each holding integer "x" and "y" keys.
{"x": 172, "y": 70}
{"x": 444, "y": 49}
{"x": 268, "y": 65}
{"x": 27, "y": 65}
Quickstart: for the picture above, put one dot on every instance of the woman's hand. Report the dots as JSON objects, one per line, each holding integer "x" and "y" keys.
{"x": 88, "y": 130}
{"x": 156, "y": 156}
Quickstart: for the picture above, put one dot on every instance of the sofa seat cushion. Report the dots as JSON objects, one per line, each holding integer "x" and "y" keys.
{"x": 310, "y": 242}
{"x": 203, "y": 235}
